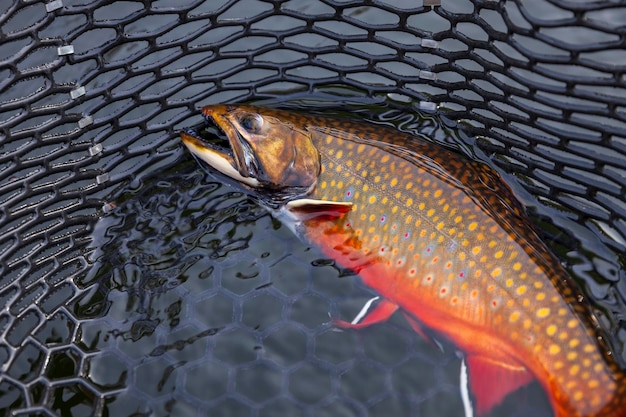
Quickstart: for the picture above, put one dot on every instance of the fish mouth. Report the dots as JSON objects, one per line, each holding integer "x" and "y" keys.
{"x": 220, "y": 145}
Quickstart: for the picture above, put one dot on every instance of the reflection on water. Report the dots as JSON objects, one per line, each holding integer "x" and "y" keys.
{"x": 194, "y": 285}
{"x": 189, "y": 274}
{"x": 172, "y": 229}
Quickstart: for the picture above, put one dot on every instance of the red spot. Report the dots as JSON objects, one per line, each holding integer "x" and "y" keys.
{"x": 494, "y": 303}
{"x": 429, "y": 278}
{"x": 406, "y": 235}
{"x": 399, "y": 261}
{"x": 348, "y": 193}
{"x": 347, "y": 225}
{"x": 428, "y": 250}
{"x": 382, "y": 249}
{"x": 444, "y": 290}
{"x": 412, "y": 272}
{"x": 461, "y": 274}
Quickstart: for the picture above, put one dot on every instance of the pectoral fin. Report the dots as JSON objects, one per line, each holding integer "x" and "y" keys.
{"x": 381, "y": 312}
{"x": 492, "y": 379}
{"x": 306, "y": 208}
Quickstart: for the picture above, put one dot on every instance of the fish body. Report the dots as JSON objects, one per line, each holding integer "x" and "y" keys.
{"x": 441, "y": 238}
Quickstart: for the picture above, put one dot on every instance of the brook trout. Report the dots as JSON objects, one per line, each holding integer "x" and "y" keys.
{"x": 439, "y": 237}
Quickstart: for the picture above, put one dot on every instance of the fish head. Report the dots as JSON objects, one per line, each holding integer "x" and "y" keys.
{"x": 263, "y": 150}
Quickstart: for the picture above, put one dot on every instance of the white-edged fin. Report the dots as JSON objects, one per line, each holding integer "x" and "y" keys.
{"x": 465, "y": 394}
{"x": 364, "y": 310}
{"x": 221, "y": 162}
{"x": 307, "y": 208}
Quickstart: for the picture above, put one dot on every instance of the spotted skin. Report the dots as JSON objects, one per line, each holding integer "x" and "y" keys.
{"x": 444, "y": 239}
{"x": 463, "y": 271}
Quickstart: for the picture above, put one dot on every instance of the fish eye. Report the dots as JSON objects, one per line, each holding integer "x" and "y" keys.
{"x": 251, "y": 122}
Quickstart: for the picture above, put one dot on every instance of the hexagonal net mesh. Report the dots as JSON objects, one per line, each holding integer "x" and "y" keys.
{"x": 132, "y": 282}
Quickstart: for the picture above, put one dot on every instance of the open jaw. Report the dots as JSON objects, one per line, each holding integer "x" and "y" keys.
{"x": 222, "y": 147}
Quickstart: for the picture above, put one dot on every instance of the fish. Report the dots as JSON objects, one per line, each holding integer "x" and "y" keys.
{"x": 441, "y": 238}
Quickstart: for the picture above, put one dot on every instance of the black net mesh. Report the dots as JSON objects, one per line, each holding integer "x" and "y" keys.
{"x": 133, "y": 283}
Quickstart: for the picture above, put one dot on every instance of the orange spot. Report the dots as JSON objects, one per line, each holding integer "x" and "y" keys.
{"x": 554, "y": 349}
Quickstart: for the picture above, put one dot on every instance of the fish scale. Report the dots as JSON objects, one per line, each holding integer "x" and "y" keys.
{"x": 444, "y": 240}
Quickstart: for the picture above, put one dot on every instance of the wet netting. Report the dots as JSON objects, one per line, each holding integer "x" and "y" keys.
{"x": 132, "y": 282}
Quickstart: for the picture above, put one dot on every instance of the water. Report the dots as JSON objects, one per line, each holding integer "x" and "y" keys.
{"x": 195, "y": 297}
{"x": 199, "y": 300}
